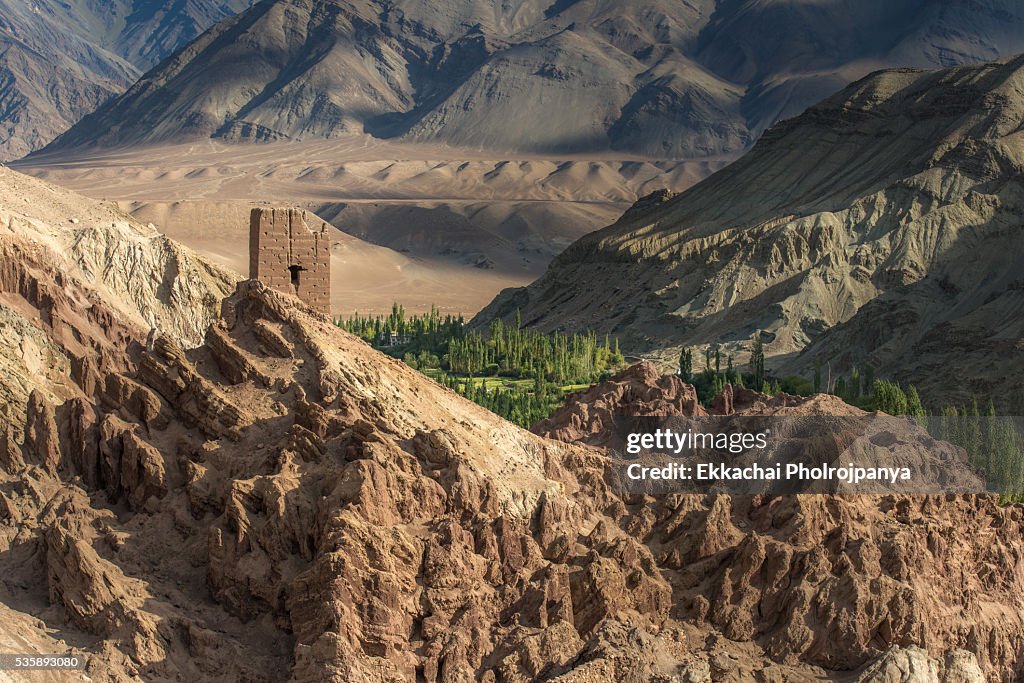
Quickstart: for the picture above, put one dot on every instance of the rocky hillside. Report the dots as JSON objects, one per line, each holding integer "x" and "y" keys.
{"x": 61, "y": 60}
{"x": 284, "y": 503}
{"x": 883, "y": 227}
{"x": 81, "y": 284}
{"x": 661, "y": 78}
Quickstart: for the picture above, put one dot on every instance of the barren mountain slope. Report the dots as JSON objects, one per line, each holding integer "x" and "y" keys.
{"x": 81, "y": 283}
{"x": 661, "y": 78}
{"x": 141, "y": 32}
{"x": 61, "y": 60}
{"x": 882, "y": 226}
{"x": 50, "y": 77}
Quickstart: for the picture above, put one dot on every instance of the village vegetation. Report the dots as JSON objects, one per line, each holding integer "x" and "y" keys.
{"x": 518, "y": 373}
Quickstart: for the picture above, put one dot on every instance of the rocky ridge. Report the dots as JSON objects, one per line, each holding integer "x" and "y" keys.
{"x": 284, "y": 503}
{"x": 744, "y": 574}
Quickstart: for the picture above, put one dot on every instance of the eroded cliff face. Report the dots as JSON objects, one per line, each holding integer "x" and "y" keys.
{"x": 81, "y": 286}
{"x": 350, "y": 518}
{"x": 881, "y": 226}
{"x": 147, "y": 279}
{"x": 284, "y": 503}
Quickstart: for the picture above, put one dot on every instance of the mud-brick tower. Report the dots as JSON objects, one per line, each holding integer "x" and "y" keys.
{"x": 286, "y": 255}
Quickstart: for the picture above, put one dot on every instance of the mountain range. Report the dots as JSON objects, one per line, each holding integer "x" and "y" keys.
{"x": 61, "y": 59}
{"x": 881, "y": 228}
{"x": 656, "y": 78}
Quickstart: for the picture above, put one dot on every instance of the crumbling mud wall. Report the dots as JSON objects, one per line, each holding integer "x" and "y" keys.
{"x": 286, "y": 255}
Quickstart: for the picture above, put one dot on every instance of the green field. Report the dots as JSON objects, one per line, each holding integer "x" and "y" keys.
{"x": 491, "y": 383}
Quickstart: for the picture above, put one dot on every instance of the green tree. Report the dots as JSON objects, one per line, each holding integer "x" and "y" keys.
{"x": 454, "y": 355}
{"x": 757, "y": 359}
{"x": 686, "y": 364}
{"x": 914, "y": 405}
{"x": 889, "y": 398}
{"x": 840, "y": 387}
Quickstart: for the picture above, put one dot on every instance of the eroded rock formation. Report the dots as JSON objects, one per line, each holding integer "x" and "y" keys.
{"x": 284, "y": 503}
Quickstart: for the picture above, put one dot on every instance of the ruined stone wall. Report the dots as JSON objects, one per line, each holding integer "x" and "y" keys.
{"x": 286, "y": 255}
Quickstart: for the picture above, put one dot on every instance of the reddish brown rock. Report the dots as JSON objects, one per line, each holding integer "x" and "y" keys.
{"x": 129, "y": 466}
{"x": 232, "y": 361}
{"x": 11, "y": 459}
{"x": 271, "y": 339}
{"x": 363, "y": 523}
{"x": 87, "y": 588}
{"x": 137, "y": 400}
{"x": 42, "y": 442}
{"x": 195, "y": 398}
{"x": 588, "y": 416}
{"x": 83, "y": 442}
{"x": 723, "y": 404}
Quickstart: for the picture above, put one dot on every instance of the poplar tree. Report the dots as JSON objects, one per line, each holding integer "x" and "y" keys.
{"x": 757, "y": 359}
{"x": 686, "y": 365}
{"x": 914, "y": 405}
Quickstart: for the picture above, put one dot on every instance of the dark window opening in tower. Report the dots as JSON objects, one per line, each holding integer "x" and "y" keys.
{"x": 295, "y": 274}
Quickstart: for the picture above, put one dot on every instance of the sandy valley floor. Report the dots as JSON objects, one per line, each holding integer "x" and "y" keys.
{"x": 420, "y": 225}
